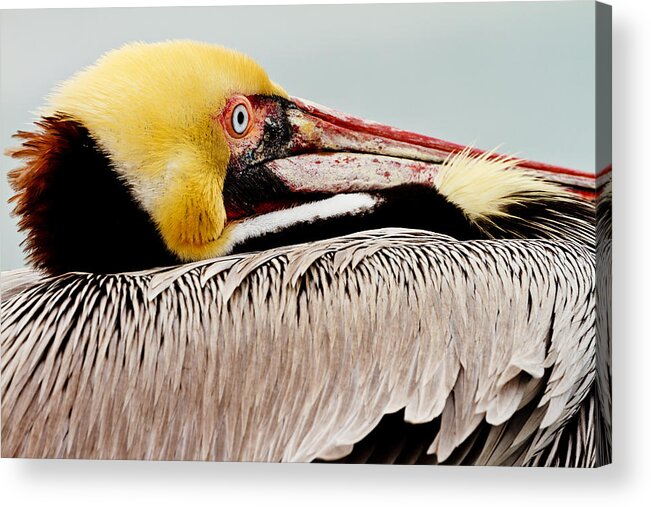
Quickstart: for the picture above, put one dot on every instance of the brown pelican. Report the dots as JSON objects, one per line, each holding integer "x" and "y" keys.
{"x": 229, "y": 273}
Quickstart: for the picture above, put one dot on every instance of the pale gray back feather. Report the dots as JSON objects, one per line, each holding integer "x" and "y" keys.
{"x": 18, "y": 280}
{"x": 297, "y": 353}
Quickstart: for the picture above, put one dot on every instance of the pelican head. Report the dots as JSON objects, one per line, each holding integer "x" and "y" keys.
{"x": 181, "y": 151}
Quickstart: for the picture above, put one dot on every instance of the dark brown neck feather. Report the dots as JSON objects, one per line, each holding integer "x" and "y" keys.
{"x": 78, "y": 215}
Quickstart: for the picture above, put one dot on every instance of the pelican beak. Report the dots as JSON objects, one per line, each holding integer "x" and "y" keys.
{"x": 332, "y": 152}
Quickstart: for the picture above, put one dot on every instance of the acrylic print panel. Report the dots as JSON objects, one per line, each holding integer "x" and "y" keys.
{"x": 199, "y": 265}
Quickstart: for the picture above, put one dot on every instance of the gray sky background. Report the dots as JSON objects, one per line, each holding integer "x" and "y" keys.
{"x": 515, "y": 75}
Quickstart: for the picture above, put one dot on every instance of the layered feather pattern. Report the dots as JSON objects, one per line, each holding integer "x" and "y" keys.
{"x": 297, "y": 353}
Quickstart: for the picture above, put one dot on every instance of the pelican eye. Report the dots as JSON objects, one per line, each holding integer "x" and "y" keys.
{"x": 240, "y": 119}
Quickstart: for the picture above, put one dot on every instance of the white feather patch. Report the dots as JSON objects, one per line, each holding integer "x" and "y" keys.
{"x": 275, "y": 221}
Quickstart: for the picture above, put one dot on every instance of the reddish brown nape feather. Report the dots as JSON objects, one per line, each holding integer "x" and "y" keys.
{"x": 41, "y": 152}
{"x": 78, "y": 214}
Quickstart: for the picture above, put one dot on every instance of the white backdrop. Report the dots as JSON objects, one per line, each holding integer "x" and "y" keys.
{"x": 81, "y": 483}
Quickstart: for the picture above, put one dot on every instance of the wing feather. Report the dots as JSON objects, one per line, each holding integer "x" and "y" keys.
{"x": 297, "y": 353}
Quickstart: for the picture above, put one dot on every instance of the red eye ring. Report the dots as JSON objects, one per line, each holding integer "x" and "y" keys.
{"x": 238, "y": 117}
